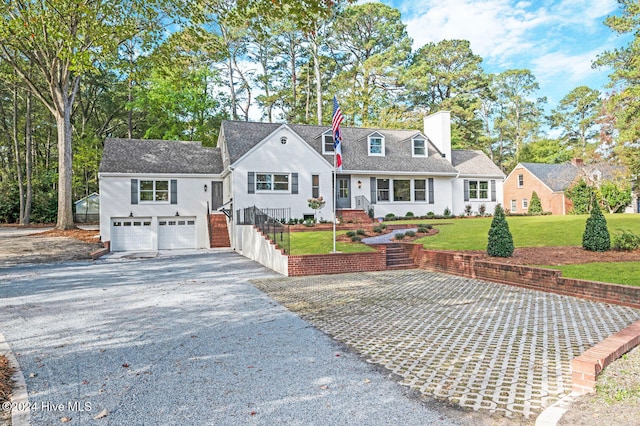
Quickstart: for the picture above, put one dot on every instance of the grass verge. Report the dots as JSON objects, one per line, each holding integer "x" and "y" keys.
{"x": 627, "y": 273}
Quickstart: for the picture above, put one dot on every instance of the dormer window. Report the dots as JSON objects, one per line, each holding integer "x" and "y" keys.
{"x": 376, "y": 144}
{"x": 327, "y": 143}
{"x": 419, "y": 147}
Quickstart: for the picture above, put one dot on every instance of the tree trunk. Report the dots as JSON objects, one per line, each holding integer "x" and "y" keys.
{"x": 17, "y": 154}
{"x": 28, "y": 156}
{"x": 316, "y": 68}
{"x": 65, "y": 201}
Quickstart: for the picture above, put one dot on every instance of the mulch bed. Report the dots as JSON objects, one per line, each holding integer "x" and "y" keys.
{"x": 567, "y": 255}
{"x": 5, "y": 379}
{"x": 87, "y": 236}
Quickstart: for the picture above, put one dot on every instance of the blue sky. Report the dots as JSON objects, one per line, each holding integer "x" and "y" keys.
{"x": 556, "y": 39}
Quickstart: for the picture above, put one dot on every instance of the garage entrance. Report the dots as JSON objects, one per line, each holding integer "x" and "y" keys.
{"x": 133, "y": 233}
{"x": 176, "y": 233}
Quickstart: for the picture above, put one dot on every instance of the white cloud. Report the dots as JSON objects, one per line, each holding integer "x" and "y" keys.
{"x": 571, "y": 68}
{"x": 495, "y": 28}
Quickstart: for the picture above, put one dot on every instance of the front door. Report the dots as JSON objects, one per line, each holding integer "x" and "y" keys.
{"x": 216, "y": 195}
{"x": 343, "y": 193}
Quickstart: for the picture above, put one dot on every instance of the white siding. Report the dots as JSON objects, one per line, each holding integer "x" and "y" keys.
{"x": 115, "y": 195}
{"x": 271, "y": 156}
{"x": 441, "y": 188}
{"x": 459, "y": 204}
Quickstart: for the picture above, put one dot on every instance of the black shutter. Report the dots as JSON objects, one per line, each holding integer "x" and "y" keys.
{"x": 373, "y": 190}
{"x": 134, "y": 191}
{"x": 431, "y": 192}
{"x": 493, "y": 190}
{"x": 294, "y": 183}
{"x": 466, "y": 190}
{"x": 174, "y": 191}
{"x": 251, "y": 183}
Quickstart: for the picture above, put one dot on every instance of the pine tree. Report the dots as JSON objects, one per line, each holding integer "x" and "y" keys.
{"x": 535, "y": 206}
{"x": 596, "y": 235}
{"x": 500, "y": 239}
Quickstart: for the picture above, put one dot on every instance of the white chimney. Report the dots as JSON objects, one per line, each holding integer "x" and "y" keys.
{"x": 437, "y": 127}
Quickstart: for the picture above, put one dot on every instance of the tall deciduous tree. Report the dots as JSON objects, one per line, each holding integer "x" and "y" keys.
{"x": 577, "y": 115}
{"x": 51, "y": 45}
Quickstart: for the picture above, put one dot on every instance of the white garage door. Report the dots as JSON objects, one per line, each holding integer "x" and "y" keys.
{"x": 176, "y": 233}
{"x": 132, "y": 233}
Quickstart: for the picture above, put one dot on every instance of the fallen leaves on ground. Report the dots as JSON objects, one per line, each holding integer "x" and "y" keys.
{"x": 87, "y": 236}
{"x": 5, "y": 379}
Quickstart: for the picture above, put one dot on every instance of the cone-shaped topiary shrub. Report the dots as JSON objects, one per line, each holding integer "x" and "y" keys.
{"x": 500, "y": 238}
{"x": 535, "y": 205}
{"x": 596, "y": 235}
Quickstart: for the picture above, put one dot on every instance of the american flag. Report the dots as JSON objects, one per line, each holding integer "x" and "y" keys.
{"x": 337, "y": 135}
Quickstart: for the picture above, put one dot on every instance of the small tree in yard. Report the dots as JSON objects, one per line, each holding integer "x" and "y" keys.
{"x": 316, "y": 204}
{"x": 500, "y": 238}
{"x": 596, "y": 235}
{"x": 535, "y": 206}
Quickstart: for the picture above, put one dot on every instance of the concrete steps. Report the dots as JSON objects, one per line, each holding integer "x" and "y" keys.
{"x": 219, "y": 233}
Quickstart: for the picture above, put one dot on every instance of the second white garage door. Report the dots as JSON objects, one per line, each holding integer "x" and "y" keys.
{"x": 176, "y": 233}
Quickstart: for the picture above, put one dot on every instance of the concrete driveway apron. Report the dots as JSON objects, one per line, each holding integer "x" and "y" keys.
{"x": 484, "y": 346}
{"x": 183, "y": 340}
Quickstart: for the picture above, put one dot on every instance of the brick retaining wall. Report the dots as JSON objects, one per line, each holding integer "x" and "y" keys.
{"x": 469, "y": 265}
{"x": 337, "y": 263}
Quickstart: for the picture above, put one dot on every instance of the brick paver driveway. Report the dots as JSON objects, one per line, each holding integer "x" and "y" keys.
{"x": 480, "y": 345}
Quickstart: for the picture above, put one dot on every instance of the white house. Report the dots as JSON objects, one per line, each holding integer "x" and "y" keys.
{"x": 155, "y": 194}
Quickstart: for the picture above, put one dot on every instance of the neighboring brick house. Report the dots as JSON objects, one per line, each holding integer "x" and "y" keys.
{"x": 550, "y": 181}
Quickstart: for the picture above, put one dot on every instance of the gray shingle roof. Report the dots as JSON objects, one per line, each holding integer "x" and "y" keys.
{"x": 472, "y": 162}
{"x": 240, "y": 137}
{"x": 159, "y": 156}
{"x": 558, "y": 177}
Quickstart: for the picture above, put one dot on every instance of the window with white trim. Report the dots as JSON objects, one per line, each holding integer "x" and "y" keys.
{"x": 525, "y": 203}
{"x": 327, "y": 143}
{"x": 154, "y": 191}
{"x": 315, "y": 186}
{"x": 514, "y": 206}
{"x": 520, "y": 181}
{"x": 419, "y": 147}
{"x": 478, "y": 189}
{"x": 272, "y": 182}
{"x": 375, "y": 144}
{"x": 382, "y": 186}
{"x": 401, "y": 190}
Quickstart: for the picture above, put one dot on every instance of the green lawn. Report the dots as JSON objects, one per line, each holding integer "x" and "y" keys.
{"x": 321, "y": 242}
{"x": 527, "y": 231}
{"x": 619, "y": 272}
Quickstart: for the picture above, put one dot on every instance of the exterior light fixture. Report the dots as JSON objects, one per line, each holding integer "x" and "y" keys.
{"x": 359, "y": 184}
{"x": 130, "y": 214}
{"x": 177, "y": 214}
{"x": 205, "y": 187}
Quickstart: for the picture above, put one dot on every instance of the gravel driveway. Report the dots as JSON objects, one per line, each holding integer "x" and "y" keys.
{"x": 184, "y": 339}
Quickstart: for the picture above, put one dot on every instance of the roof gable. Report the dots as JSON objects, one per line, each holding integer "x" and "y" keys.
{"x": 284, "y": 131}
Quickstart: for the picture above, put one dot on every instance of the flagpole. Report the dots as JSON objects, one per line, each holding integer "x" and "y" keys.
{"x": 336, "y": 119}
{"x": 335, "y": 218}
